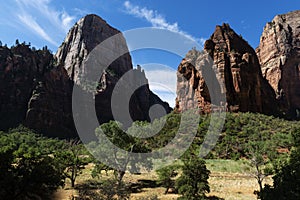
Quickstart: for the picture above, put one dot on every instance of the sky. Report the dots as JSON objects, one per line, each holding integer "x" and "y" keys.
{"x": 46, "y": 22}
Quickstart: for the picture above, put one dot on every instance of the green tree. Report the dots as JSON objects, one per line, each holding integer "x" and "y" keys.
{"x": 286, "y": 182}
{"x": 260, "y": 152}
{"x": 27, "y": 170}
{"x": 118, "y": 156}
{"x": 73, "y": 159}
{"x": 193, "y": 183}
{"x": 166, "y": 176}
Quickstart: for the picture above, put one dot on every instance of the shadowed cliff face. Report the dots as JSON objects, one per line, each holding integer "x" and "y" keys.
{"x": 279, "y": 56}
{"x": 36, "y": 87}
{"x": 81, "y": 45}
{"x": 17, "y": 82}
{"x": 236, "y": 65}
{"x": 33, "y": 92}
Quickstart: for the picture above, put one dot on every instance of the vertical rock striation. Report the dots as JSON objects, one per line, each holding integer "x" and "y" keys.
{"x": 279, "y": 56}
{"x": 236, "y": 65}
{"x": 36, "y": 87}
{"x": 81, "y": 44}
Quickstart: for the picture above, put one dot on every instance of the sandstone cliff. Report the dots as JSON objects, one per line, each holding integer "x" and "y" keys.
{"x": 34, "y": 92}
{"x": 36, "y": 86}
{"x": 279, "y": 56}
{"x": 79, "y": 46}
{"x": 83, "y": 37}
{"x": 237, "y": 66}
{"x": 19, "y": 68}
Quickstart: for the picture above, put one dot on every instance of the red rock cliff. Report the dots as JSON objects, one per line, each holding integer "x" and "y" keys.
{"x": 237, "y": 66}
{"x": 279, "y": 56}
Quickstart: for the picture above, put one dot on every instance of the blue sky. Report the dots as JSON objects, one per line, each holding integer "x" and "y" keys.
{"x": 46, "y": 22}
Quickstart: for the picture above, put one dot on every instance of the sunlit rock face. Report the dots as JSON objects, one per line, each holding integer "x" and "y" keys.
{"x": 36, "y": 87}
{"x": 279, "y": 56}
{"x": 236, "y": 65}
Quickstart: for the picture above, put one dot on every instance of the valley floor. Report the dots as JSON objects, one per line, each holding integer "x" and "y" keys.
{"x": 230, "y": 180}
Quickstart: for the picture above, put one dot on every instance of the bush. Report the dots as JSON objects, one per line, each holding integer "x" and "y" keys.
{"x": 27, "y": 169}
{"x": 166, "y": 176}
{"x": 287, "y": 178}
{"x": 193, "y": 183}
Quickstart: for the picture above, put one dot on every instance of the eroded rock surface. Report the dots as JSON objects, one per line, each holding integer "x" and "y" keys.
{"x": 279, "y": 56}
{"x": 236, "y": 65}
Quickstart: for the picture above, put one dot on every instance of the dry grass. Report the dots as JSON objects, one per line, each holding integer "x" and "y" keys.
{"x": 230, "y": 180}
{"x": 233, "y": 186}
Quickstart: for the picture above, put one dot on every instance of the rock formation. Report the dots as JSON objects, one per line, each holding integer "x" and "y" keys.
{"x": 83, "y": 37}
{"x": 81, "y": 45}
{"x": 279, "y": 56}
{"x": 236, "y": 65}
{"x": 36, "y": 86}
{"x": 33, "y": 92}
{"x": 49, "y": 108}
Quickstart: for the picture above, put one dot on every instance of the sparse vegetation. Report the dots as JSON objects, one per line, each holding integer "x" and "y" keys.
{"x": 193, "y": 182}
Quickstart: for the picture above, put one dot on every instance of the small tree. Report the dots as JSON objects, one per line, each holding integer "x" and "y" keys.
{"x": 260, "y": 152}
{"x": 259, "y": 161}
{"x": 28, "y": 171}
{"x": 117, "y": 156}
{"x": 166, "y": 176}
{"x": 73, "y": 160}
{"x": 286, "y": 181}
{"x": 193, "y": 183}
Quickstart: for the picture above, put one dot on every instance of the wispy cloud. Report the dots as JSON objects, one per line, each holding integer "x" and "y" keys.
{"x": 43, "y": 20}
{"x": 28, "y": 21}
{"x": 157, "y": 20}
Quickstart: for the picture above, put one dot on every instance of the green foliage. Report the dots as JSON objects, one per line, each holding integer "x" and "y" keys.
{"x": 166, "y": 176}
{"x": 110, "y": 190}
{"x": 239, "y": 127}
{"x": 73, "y": 159}
{"x": 193, "y": 182}
{"x": 111, "y": 72}
{"x": 166, "y": 132}
{"x": 118, "y": 156}
{"x": 228, "y": 166}
{"x": 27, "y": 168}
{"x": 286, "y": 184}
{"x": 260, "y": 151}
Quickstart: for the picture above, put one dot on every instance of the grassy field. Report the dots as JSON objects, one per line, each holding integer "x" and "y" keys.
{"x": 231, "y": 180}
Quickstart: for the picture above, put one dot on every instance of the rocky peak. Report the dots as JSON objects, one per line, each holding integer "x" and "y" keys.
{"x": 279, "y": 56}
{"x": 81, "y": 56}
{"x": 83, "y": 37}
{"x": 37, "y": 91}
{"x": 237, "y": 66}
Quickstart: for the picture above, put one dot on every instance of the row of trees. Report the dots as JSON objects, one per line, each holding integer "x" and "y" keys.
{"x": 192, "y": 183}
{"x": 33, "y": 166}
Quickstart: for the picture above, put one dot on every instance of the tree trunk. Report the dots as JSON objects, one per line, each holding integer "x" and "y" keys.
{"x": 167, "y": 189}
{"x": 72, "y": 183}
{"x": 120, "y": 175}
{"x": 260, "y": 185}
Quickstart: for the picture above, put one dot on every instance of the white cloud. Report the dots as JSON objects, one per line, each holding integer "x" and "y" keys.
{"x": 35, "y": 27}
{"x": 43, "y": 20}
{"x": 162, "y": 81}
{"x": 157, "y": 20}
